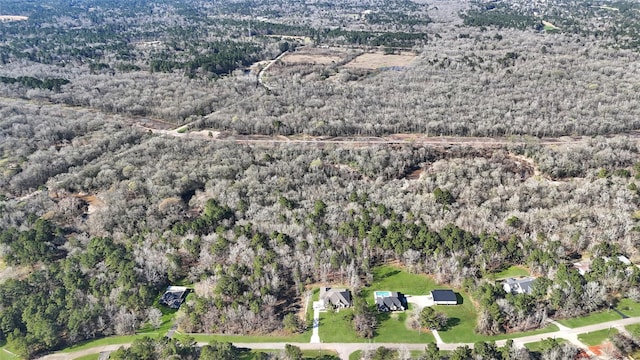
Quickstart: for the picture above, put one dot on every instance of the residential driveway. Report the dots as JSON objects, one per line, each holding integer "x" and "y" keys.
{"x": 315, "y": 337}
{"x": 420, "y": 300}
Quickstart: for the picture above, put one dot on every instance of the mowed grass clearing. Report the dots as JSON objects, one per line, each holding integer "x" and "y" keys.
{"x": 511, "y": 272}
{"x": 538, "y": 346}
{"x": 88, "y": 357}
{"x": 626, "y": 306}
{"x": 596, "y": 337}
{"x": 306, "y": 354}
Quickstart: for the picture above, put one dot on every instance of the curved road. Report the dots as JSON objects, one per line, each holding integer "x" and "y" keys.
{"x": 344, "y": 349}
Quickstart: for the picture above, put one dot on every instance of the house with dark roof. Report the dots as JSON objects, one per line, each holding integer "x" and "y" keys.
{"x": 444, "y": 297}
{"x": 337, "y": 298}
{"x": 389, "y": 301}
{"x": 518, "y": 286}
{"x": 174, "y": 296}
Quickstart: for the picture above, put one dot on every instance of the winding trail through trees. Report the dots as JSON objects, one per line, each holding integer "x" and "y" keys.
{"x": 344, "y": 349}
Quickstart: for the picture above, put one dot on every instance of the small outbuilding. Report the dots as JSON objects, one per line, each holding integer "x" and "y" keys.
{"x": 444, "y": 297}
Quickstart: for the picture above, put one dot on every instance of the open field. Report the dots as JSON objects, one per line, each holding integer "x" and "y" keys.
{"x": 301, "y": 338}
{"x": 89, "y": 357}
{"x": 379, "y": 60}
{"x": 513, "y": 271}
{"x": 306, "y": 354}
{"x": 538, "y": 345}
{"x": 314, "y": 56}
{"x": 626, "y": 306}
{"x": 13, "y": 18}
{"x": 596, "y": 337}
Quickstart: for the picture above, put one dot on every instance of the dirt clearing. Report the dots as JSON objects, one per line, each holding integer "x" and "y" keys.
{"x": 314, "y": 56}
{"x": 380, "y": 60}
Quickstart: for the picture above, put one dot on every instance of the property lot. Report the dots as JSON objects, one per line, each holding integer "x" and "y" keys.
{"x": 378, "y": 60}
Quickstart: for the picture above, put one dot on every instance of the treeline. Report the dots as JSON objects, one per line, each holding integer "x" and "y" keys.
{"x": 31, "y": 82}
{"x": 220, "y": 58}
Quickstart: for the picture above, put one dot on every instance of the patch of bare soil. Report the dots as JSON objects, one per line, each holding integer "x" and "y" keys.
{"x": 8, "y": 18}
{"x": 380, "y": 60}
{"x": 415, "y": 174}
{"x": 13, "y": 272}
{"x": 315, "y": 56}
{"x": 94, "y": 202}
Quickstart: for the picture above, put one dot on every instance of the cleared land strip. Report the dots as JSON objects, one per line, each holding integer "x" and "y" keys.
{"x": 162, "y": 127}
{"x": 344, "y": 349}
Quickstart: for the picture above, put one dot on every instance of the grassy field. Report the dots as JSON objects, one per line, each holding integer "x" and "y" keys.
{"x": 89, "y": 357}
{"x": 596, "y": 337}
{"x": 306, "y": 354}
{"x": 633, "y": 329}
{"x": 6, "y": 356}
{"x": 336, "y": 327}
{"x": 111, "y": 340}
{"x": 538, "y": 345}
{"x": 393, "y": 328}
{"x": 303, "y": 338}
{"x": 394, "y": 279}
{"x": 629, "y": 307}
{"x": 625, "y": 306}
{"x": 513, "y": 271}
{"x": 356, "y": 355}
{"x": 462, "y": 320}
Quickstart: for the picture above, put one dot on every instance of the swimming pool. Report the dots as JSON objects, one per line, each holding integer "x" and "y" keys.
{"x": 378, "y": 294}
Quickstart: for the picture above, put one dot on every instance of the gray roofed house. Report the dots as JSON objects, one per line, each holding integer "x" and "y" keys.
{"x": 518, "y": 286}
{"x": 339, "y": 298}
{"x": 389, "y": 301}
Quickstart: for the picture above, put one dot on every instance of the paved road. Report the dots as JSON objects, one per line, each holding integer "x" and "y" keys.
{"x": 344, "y": 349}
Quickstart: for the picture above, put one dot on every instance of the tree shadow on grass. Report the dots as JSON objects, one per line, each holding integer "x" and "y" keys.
{"x": 451, "y": 322}
{"x": 382, "y": 275}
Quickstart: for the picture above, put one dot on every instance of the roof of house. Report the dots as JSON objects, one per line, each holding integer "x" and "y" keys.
{"x": 443, "y": 295}
{"x": 174, "y": 296}
{"x": 336, "y": 296}
{"x": 390, "y": 301}
{"x": 521, "y": 285}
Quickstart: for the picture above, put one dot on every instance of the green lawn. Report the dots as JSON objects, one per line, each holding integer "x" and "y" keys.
{"x": 392, "y": 278}
{"x": 462, "y": 320}
{"x": 513, "y": 271}
{"x": 538, "y": 345}
{"x": 306, "y": 354}
{"x": 301, "y": 338}
{"x": 111, "y": 340}
{"x": 594, "y": 318}
{"x": 356, "y": 355}
{"x": 625, "y": 306}
{"x": 628, "y": 307}
{"x": 89, "y": 357}
{"x": 337, "y": 327}
{"x": 7, "y": 356}
{"x": 633, "y": 329}
{"x": 596, "y": 337}
{"x": 392, "y": 328}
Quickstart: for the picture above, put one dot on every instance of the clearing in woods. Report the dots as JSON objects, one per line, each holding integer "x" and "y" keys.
{"x": 315, "y": 56}
{"x": 549, "y": 26}
{"x": 378, "y": 60}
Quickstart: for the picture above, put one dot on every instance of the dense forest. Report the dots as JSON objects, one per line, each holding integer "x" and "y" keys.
{"x": 149, "y": 143}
